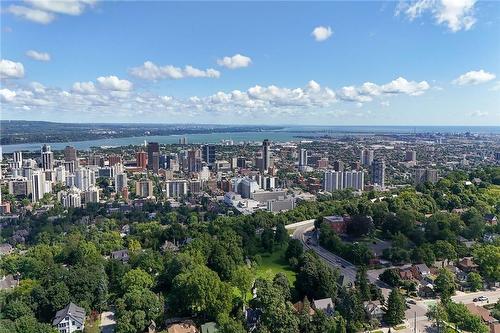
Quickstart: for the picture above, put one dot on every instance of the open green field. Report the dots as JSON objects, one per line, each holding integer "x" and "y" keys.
{"x": 494, "y": 191}
{"x": 274, "y": 263}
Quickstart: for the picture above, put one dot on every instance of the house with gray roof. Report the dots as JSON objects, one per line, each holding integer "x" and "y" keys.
{"x": 70, "y": 319}
{"x": 325, "y": 305}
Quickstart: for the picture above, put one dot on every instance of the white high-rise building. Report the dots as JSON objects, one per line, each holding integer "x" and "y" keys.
{"x": 91, "y": 195}
{"x": 84, "y": 178}
{"x": 354, "y": 180}
{"x": 302, "y": 159}
{"x": 120, "y": 182}
{"x": 18, "y": 159}
{"x": 333, "y": 181}
{"x": 176, "y": 188}
{"x": 47, "y": 158}
{"x": 60, "y": 174}
{"x": 71, "y": 198}
{"x": 38, "y": 185}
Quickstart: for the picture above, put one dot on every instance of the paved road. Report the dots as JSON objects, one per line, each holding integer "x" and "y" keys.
{"x": 303, "y": 233}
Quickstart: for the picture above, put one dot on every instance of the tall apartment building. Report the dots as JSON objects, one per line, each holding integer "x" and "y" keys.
{"x": 266, "y": 155}
{"x": 425, "y": 175}
{"x": 18, "y": 160}
{"x": 367, "y": 157}
{"x": 411, "y": 156}
{"x": 144, "y": 188}
{"x": 302, "y": 159}
{"x": 47, "y": 158}
{"x": 338, "y": 180}
{"x": 120, "y": 182}
{"x": 194, "y": 160}
{"x": 378, "y": 173}
{"x": 176, "y": 188}
{"x": 70, "y": 154}
{"x": 141, "y": 158}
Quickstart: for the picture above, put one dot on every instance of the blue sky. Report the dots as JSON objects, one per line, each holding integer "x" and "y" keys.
{"x": 426, "y": 62}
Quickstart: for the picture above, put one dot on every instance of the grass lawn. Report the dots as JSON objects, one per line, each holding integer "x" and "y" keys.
{"x": 274, "y": 263}
{"x": 493, "y": 191}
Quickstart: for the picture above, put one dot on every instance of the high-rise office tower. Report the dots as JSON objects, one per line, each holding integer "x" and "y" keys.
{"x": 302, "y": 159}
{"x": 378, "y": 173}
{"x": 366, "y": 157}
{"x": 141, "y": 158}
{"x": 18, "y": 159}
{"x": 333, "y": 181}
{"x": 153, "y": 147}
{"x": 47, "y": 158}
{"x": 208, "y": 154}
{"x": 156, "y": 162}
{"x": 194, "y": 160}
{"x": 411, "y": 156}
{"x": 266, "y": 155}
{"x": 70, "y": 153}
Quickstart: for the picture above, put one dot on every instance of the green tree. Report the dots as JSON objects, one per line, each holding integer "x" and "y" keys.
{"x": 136, "y": 278}
{"x": 445, "y": 284}
{"x": 362, "y": 283}
{"x": 438, "y": 314}
{"x": 281, "y": 235}
{"x": 395, "y": 308}
{"x": 242, "y": 278}
{"x": 316, "y": 279}
{"x": 488, "y": 259}
{"x": 475, "y": 281}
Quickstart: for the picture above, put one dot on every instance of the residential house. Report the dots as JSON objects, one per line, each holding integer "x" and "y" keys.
{"x": 183, "y": 327}
{"x": 337, "y": 223}
{"x": 406, "y": 273}
{"x": 420, "y": 271}
{"x": 485, "y": 314}
{"x": 299, "y": 308}
{"x": 491, "y": 219}
{"x": 325, "y": 305}
{"x": 426, "y": 289}
{"x": 467, "y": 264}
{"x": 374, "y": 310}
{"x": 169, "y": 246}
{"x": 121, "y": 255}
{"x": 8, "y": 282}
{"x": 70, "y": 319}
{"x": 252, "y": 318}
{"x": 5, "y": 248}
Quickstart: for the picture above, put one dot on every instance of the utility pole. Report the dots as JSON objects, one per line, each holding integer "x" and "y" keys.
{"x": 415, "y": 323}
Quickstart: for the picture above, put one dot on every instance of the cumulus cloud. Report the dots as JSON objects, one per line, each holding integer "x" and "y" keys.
{"x": 84, "y": 87}
{"x": 455, "y": 14}
{"x": 114, "y": 83}
{"x": 151, "y": 71}
{"x": 473, "y": 78}
{"x": 322, "y": 33}
{"x": 11, "y": 70}
{"x": 7, "y": 95}
{"x": 45, "y": 11}
{"x": 40, "y": 56}
{"x": 236, "y": 61}
{"x": 112, "y": 95}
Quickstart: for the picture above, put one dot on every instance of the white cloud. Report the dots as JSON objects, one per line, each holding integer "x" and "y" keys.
{"x": 68, "y": 7}
{"x": 30, "y": 14}
{"x": 40, "y": 56}
{"x": 455, "y": 14}
{"x": 45, "y": 11}
{"x": 84, "y": 87}
{"x": 114, "y": 83}
{"x": 474, "y": 77}
{"x": 322, "y": 33}
{"x": 11, "y": 69}
{"x": 7, "y": 95}
{"x": 479, "y": 113}
{"x": 236, "y": 61}
{"x": 111, "y": 95}
{"x": 153, "y": 72}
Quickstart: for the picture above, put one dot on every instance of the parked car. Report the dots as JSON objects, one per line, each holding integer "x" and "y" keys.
{"x": 480, "y": 299}
{"x": 411, "y": 301}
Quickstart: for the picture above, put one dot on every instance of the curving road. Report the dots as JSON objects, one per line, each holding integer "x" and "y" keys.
{"x": 303, "y": 233}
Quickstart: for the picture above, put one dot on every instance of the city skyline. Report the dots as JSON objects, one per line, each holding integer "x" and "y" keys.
{"x": 380, "y": 63}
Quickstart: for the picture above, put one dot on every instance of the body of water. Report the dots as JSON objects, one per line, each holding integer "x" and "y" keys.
{"x": 284, "y": 135}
